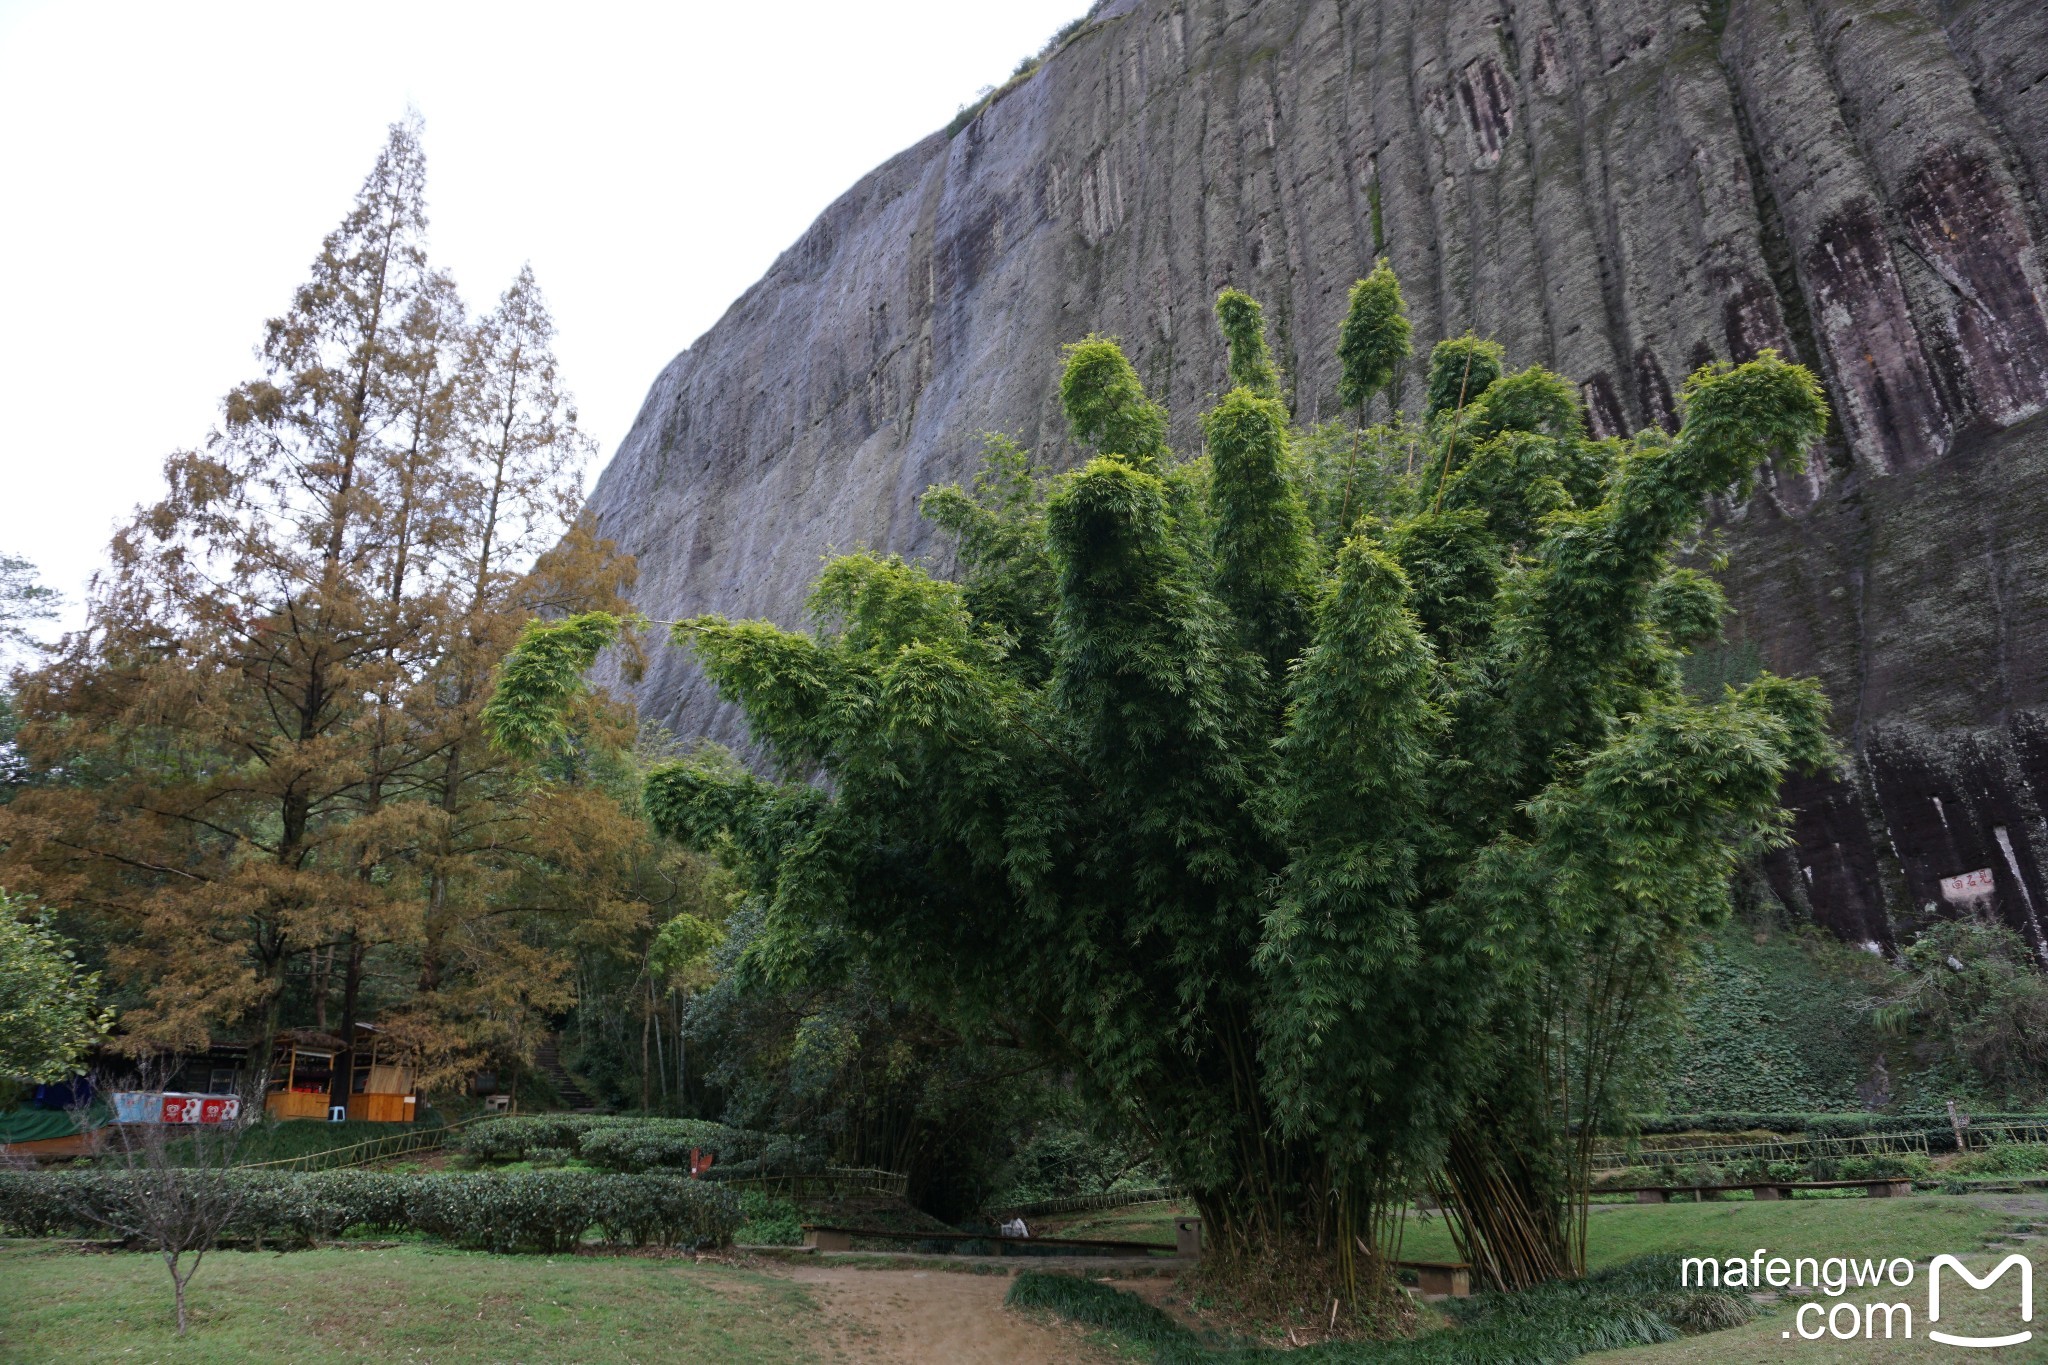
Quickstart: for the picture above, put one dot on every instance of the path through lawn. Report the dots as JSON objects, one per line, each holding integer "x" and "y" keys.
{"x": 450, "y": 1307}
{"x": 933, "y": 1317}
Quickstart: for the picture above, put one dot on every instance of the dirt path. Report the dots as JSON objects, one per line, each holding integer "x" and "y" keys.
{"x": 932, "y": 1317}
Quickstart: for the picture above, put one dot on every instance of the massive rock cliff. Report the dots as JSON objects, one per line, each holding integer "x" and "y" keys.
{"x": 1622, "y": 189}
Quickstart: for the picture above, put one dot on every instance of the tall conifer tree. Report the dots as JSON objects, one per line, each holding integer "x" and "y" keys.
{"x": 267, "y": 736}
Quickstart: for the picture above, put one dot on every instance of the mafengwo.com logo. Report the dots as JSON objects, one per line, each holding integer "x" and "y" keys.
{"x": 1836, "y": 1277}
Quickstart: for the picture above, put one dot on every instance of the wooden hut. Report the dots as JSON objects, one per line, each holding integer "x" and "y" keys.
{"x": 381, "y": 1078}
{"x": 302, "y": 1074}
{"x": 380, "y": 1085}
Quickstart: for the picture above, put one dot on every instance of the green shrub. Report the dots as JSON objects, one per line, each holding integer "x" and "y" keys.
{"x": 509, "y": 1139}
{"x": 770, "y": 1221}
{"x": 1880, "y": 1165}
{"x": 630, "y": 1143}
{"x": 546, "y": 1211}
{"x": 663, "y": 1210}
{"x": 2003, "y": 1158}
{"x": 1787, "y": 1123}
{"x": 659, "y": 1143}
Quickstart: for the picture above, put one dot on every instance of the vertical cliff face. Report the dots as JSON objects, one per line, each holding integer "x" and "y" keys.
{"x": 1621, "y": 189}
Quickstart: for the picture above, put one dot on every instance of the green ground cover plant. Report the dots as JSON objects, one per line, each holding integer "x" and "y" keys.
{"x": 1934, "y": 1123}
{"x": 1776, "y": 1025}
{"x": 1707, "y": 1172}
{"x": 2003, "y": 1158}
{"x": 769, "y": 1220}
{"x": 1629, "y": 1304}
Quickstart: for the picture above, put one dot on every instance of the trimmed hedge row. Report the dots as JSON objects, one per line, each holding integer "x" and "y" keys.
{"x": 546, "y": 1211}
{"x": 618, "y": 1143}
{"x": 1868, "y": 1166}
{"x": 1813, "y": 1125}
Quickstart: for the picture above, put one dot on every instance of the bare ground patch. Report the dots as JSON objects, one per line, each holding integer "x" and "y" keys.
{"x": 932, "y": 1317}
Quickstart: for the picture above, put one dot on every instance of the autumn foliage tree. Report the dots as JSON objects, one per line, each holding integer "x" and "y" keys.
{"x": 265, "y": 745}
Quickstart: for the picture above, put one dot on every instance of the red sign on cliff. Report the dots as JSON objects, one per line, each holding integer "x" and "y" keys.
{"x": 1969, "y": 888}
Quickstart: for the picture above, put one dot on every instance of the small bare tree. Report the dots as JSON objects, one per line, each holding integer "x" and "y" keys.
{"x": 171, "y": 1186}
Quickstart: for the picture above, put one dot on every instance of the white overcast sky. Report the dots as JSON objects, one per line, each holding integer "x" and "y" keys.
{"x": 167, "y": 172}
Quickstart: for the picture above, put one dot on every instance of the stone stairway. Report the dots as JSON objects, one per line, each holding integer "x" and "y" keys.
{"x": 548, "y": 1059}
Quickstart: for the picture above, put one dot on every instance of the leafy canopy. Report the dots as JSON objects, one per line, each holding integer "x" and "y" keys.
{"x": 49, "y": 1010}
{"x": 1334, "y": 852}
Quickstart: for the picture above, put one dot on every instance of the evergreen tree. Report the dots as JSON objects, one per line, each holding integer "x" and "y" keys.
{"x": 1244, "y": 328}
{"x": 22, "y": 599}
{"x": 1460, "y": 369}
{"x": 49, "y": 1005}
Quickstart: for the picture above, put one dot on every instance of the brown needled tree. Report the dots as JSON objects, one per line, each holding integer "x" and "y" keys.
{"x": 268, "y": 776}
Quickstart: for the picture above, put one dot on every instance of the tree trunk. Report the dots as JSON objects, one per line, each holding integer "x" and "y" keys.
{"x": 177, "y": 1292}
{"x": 345, "y": 1062}
{"x": 646, "y": 1076}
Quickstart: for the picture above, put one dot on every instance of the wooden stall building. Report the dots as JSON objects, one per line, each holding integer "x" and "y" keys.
{"x": 381, "y": 1087}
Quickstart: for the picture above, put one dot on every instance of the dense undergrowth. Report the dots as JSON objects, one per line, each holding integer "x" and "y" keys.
{"x": 1780, "y": 1018}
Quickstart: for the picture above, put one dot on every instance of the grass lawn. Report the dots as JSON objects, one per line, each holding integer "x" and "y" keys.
{"x": 1140, "y": 1223}
{"x": 405, "y": 1303}
{"x": 1774, "y": 1338}
{"x": 1917, "y": 1227}
{"x": 1914, "y": 1227}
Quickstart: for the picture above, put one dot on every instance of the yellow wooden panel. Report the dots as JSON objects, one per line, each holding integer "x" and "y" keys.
{"x": 380, "y": 1108}
{"x": 289, "y": 1104}
{"x": 389, "y": 1080}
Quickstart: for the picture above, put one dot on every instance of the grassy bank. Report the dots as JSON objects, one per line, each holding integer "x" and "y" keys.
{"x": 398, "y": 1303}
{"x": 1630, "y": 1303}
{"x": 1992, "y": 1312}
{"x": 1916, "y": 1227}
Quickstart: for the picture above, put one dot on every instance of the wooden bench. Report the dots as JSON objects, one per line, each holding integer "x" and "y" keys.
{"x": 827, "y": 1238}
{"x": 1887, "y": 1188}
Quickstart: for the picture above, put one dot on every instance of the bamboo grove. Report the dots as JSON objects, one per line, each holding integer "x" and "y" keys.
{"x": 1327, "y": 803}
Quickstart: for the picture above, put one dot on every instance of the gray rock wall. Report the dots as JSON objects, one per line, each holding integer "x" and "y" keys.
{"x": 1622, "y": 189}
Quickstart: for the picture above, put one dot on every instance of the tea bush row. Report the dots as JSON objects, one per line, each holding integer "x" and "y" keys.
{"x": 1818, "y": 1125}
{"x": 547, "y": 1211}
{"x": 637, "y": 1144}
{"x": 1871, "y": 1166}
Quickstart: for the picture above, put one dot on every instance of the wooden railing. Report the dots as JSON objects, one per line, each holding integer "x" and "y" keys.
{"x": 1085, "y": 1203}
{"x": 832, "y": 1181}
{"x": 415, "y": 1139}
{"x": 1923, "y": 1142}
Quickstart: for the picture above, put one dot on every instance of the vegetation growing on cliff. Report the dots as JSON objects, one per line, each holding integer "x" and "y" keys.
{"x": 1335, "y": 860}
